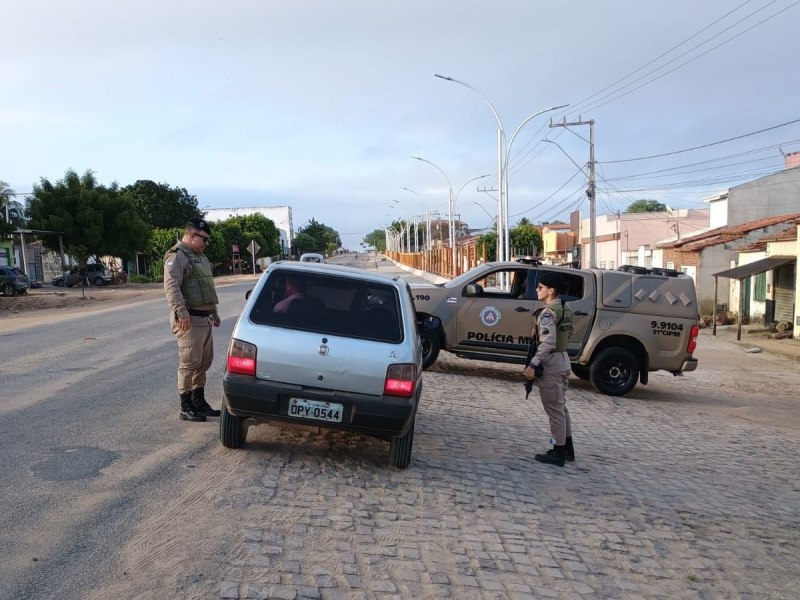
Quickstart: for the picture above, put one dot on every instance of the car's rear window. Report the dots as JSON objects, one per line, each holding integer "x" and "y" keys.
{"x": 329, "y": 304}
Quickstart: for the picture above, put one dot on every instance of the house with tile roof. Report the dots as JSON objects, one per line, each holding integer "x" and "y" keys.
{"x": 708, "y": 253}
{"x": 763, "y": 287}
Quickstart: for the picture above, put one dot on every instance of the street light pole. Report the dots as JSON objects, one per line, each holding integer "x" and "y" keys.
{"x": 503, "y": 150}
{"x": 451, "y": 202}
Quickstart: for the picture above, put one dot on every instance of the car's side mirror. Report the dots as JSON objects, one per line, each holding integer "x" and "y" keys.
{"x": 473, "y": 289}
{"x": 247, "y": 294}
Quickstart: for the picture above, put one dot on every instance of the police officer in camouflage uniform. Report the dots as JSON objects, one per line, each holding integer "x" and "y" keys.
{"x": 553, "y": 327}
{"x": 192, "y": 300}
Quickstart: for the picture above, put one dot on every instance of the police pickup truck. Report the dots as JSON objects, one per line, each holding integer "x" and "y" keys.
{"x": 627, "y": 322}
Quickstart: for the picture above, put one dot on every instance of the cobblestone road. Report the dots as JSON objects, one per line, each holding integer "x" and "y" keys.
{"x": 668, "y": 498}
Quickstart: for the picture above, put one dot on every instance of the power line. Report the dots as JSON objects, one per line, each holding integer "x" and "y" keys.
{"x": 738, "y": 137}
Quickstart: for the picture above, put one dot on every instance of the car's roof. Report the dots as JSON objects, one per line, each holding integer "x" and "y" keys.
{"x": 330, "y": 269}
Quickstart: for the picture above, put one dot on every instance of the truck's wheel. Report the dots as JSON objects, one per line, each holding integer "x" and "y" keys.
{"x": 580, "y": 371}
{"x": 614, "y": 372}
{"x": 400, "y": 449}
{"x": 232, "y": 430}
{"x": 430, "y": 347}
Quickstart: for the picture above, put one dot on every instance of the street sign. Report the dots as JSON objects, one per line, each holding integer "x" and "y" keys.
{"x": 253, "y": 248}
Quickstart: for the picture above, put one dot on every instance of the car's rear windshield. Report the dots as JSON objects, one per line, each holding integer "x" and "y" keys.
{"x": 330, "y": 305}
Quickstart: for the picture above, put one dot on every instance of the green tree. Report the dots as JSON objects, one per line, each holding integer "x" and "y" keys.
{"x": 240, "y": 231}
{"x": 304, "y": 243}
{"x": 377, "y": 239}
{"x": 93, "y": 219}
{"x": 161, "y": 240}
{"x": 641, "y": 206}
{"x": 321, "y": 238}
{"x": 527, "y": 238}
{"x": 160, "y": 205}
{"x": 489, "y": 242}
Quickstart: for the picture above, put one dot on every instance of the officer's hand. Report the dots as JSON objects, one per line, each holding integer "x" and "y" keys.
{"x": 216, "y": 321}
{"x": 185, "y": 324}
{"x": 529, "y": 373}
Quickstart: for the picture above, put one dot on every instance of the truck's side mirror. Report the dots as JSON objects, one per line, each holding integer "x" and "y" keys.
{"x": 431, "y": 323}
{"x": 247, "y": 294}
{"x": 472, "y": 290}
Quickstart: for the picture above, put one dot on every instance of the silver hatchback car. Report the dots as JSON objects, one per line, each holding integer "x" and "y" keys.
{"x": 325, "y": 346}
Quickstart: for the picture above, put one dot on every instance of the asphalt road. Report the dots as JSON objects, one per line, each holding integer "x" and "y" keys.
{"x": 685, "y": 488}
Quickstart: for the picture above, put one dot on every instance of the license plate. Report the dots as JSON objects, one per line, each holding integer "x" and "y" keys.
{"x": 313, "y": 409}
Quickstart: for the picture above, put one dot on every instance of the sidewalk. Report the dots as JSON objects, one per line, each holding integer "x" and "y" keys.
{"x": 753, "y": 342}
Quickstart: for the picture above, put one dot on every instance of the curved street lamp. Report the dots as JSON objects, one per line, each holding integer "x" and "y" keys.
{"x": 451, "y": 202}
{"x": 503, "y": 151}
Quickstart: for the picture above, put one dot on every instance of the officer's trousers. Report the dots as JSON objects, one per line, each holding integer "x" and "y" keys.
{"x": 552, "y": 391}
{"x": 195, "y": 352}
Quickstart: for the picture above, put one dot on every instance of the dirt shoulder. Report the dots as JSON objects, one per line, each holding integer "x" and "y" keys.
{"x": 50, "y": 303}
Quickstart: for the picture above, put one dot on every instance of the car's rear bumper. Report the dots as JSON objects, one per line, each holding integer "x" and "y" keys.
{"x": 262, "y": 401}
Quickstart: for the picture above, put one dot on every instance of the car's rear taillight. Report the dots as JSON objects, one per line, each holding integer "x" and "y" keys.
{"x": 692, "y": 345}
{"x": 400, "y": 380}
{"x": 241, "y": 358}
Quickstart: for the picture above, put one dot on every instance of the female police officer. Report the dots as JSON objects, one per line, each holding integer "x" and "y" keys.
{"x": 550, "y": 366}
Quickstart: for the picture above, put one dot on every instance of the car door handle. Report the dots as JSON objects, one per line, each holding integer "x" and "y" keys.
{"x": 580, "y": 313}
{"x": 522, "y": 309}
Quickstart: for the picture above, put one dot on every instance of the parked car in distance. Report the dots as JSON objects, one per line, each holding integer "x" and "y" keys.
{"x": 343, "y": 353}
{"x": 96, "y": 273}
{"x": 13, "y": 281}
{"x": 312, "y": 257}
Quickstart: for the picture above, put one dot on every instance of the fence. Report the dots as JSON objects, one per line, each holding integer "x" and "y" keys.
{"x": 439, "y": 260}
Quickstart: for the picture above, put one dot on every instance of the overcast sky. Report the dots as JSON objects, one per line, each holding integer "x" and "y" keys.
{"x": 320, "y": 104}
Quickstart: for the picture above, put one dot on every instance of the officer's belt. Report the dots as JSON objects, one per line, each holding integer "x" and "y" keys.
{"x": 199, "y": 313}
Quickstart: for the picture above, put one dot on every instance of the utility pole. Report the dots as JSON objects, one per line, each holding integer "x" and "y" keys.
{"x": 590, "y": 191}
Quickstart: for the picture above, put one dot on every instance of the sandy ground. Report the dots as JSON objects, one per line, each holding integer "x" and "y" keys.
{"x": 49, "y": 303}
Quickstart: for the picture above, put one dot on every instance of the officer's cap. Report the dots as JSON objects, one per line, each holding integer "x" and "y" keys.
{"x": 200, "y": 224}
{"x": 551, "y": 280}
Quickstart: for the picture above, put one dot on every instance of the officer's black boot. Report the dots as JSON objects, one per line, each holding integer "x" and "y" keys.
{"x": 200, "y": 404}
{"x": 188, "y": 411}
{"x": 552, "y": 457}
{"x": 569, "y": 451}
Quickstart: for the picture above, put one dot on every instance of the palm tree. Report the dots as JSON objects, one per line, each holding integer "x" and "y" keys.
{"x": 5, "y": 197}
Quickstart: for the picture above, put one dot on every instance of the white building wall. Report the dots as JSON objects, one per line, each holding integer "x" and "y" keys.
{"x": 280, "y": 215}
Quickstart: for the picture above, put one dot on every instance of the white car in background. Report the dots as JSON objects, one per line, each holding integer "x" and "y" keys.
{"x": 312, "y": 257}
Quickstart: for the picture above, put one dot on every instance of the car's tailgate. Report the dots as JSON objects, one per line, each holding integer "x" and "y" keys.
{"x": 323, "y": 361}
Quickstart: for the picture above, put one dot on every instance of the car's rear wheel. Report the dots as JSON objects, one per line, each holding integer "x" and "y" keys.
{"x": 98, "y": 281}
{"x": 614, "y": 372}
{"x": 400, "y": 449}
{"x": 430, "y": 347}
{"x": 232, "y": 429}
{"x": 8, "y": 290}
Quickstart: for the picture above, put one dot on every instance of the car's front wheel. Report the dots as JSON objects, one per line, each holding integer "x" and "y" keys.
{"x": 58, "y": 283}
{"x": 232, "y": 429}
{"x": 430, "y": 347}
{"x": 400, "y": 449}
{"x": 614, "y": 372}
